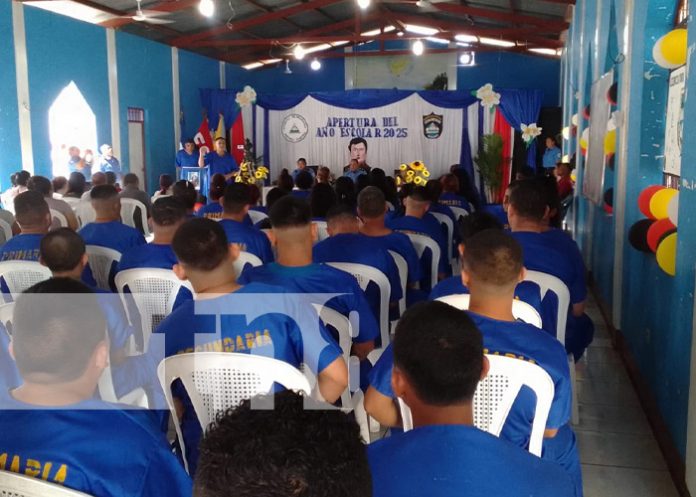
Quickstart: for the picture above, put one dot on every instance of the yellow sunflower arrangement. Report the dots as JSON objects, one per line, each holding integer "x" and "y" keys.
{"x": 416, "y": 172}
{"x": 250, "y": 174}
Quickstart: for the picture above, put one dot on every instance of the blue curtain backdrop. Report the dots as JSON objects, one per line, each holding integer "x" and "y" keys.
{"x": 522, "y": 107}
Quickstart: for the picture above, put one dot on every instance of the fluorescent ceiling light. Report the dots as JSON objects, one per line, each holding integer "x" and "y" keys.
{"x": 496, "y": 42}
{"x": 270, "y": 61}
{"x": 253, "y": 65}
{"x": 462, "y": 44}
{"x": 545, "y": 51}
{"x": 420, "y": 30}
{"x": 441, "y": 41}
{"x": 317, "y": 48}
{"x": 73, "y": 9}
{"x": 339, "y": 43}
{"x": 375, "y": 32}
{"x": 466, "y": 38}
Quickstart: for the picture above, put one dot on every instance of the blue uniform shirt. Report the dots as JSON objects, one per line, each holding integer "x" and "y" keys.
{"x": 21, "y": 248}
{"x": 114, "y": 235}
{"x": 319, "y": 278}
{"x": 298, "y": 170}
{"x": 250, "y": 239}
{"x": 223, "y": 165}
{"x": 184, "y": 159}
{"x": 151, "y": 255}
{"x": 110, "y": 165}
{"x": 354, "y": 175}
{"x": 454, "y": 200}
{"x": 552, "y": 156}
{"x": 303, "y": 194}
{"x": 458, "y": 460}
{"x": 401, "y": 244}
{"x": 211, "y": 211}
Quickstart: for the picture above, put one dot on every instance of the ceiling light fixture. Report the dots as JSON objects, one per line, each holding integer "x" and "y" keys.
{"x": 363, "y": 4}
{"x": 298, "y": 52}
{"x": 418, "y": 47}
{"x": 315, "y": 65}
{"x": 466, "y": 38}
{"x": 466, "y": 59}
{"x": 497, "y": 42}
{"x": 206, "y": 8}
{"x": 421, "y": 30}
{"x": 441, "y": 41}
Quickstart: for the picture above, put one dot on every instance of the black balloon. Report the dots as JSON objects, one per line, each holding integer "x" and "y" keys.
{"x": 638, "y": 235}
{"x": 610, "y": 161}
{"x": 612, "y": 94}
{"x": 609, "y": 197}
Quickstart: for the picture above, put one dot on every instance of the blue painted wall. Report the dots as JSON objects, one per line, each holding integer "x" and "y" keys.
{"x": 195, "y": 72}
{"x": 61, "y": 50}
{"x": 10, "y": 153}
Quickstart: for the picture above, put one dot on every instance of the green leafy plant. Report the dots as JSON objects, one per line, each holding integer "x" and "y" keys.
{"x": 439, "y": 83}
{"x": 489, "y": 162}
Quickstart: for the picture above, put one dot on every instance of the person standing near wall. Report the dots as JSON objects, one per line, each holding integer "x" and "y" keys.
{"x": 219, "y": 161}
{"x": 107, "y": 161}
{"x": 187, "y": 157}
{"x": 552, "y": 155}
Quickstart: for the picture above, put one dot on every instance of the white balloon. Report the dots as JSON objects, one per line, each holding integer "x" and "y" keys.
{"x": 586, "y": 135}
{"x": 574, "y": 120}
{"x": 611, "y": 125}
{"x": 673, "y": 209}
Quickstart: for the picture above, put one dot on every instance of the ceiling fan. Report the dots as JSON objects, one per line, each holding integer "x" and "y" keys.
{"x": 148, "y": 16}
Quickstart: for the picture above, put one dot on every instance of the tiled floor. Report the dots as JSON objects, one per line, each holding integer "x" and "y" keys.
{"x": 618, "y": 452}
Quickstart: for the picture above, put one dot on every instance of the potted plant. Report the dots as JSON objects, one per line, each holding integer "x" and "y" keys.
{"x": 489, "y": 163}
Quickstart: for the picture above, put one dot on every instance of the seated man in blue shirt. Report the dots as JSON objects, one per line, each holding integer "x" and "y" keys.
{"x": 187, "y": 157}
{"x": 415, "y": 220}
{"x": 235, "y": 205}
{"x": 301, "y": 166}
{"x": 34, "y": 219}
{"x": 218, "y": 161}
{"x": 438, "y": 362}
{"x": 303, "y": 182}
{"x": 354, "y": 170}
{"x": 328, "y": 456}
{"x": 294, "y": 270}
{"x": 553, "y": 252}
{"x": 61, "y": 352}
{"x": 346, "y": 244}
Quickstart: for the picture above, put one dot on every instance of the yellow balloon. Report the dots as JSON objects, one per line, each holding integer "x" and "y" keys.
{"x": 610, "y": 142}
{"x": 574, "y": 177}
{"x": 659, "y": 203}
{"x": 670, "y": 50}
{"x": 583, "y": 144}
{"x": 667, "y": 254}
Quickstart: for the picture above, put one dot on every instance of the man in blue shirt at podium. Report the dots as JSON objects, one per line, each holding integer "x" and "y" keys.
{"x": 219, "y": 161}
{"x": 187, "y": 157}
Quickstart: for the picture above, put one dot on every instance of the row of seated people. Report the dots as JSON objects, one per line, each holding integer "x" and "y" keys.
{"x": 292, "y": 233}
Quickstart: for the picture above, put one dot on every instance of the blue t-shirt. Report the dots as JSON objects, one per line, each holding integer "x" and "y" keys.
{"x": 458, "y": 460}
{"x": 401, "y": 244}
{"x": 223, "y": 165}
{"x": 114, "y": 235}
{"x": 318, "y": 279}
{"x": 110, "y": 165}
{"x": 23, "y": 247}
{"x": 117, "y": 323}
{"x": 151, "y": 255}
{"x": 211, "y": 211}
{"x": 298, "y": 171}
{"x": 354, "y": 175}
{"x": 454, "y": 200}
{"x": 427, "y": 226}
{"x": 249, "y": 238}
{"x": 61, "y": 447}
{"x": 360, "y": 249}
{"x": 552, "y": 156}
{"x": 184, "y": 159}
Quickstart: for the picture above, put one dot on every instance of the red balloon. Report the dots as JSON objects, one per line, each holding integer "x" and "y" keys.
{"x": 644, "y": 199}
{"x": 608, "y": 209}
{"x": 657, "y": 231}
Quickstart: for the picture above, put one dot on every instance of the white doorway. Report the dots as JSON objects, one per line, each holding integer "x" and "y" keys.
{"x": 136, "y": 145}
{"x": 71, "y": 123}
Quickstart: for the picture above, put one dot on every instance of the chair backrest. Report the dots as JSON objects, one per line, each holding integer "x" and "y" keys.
{"x": 244, "y": 259}
{"x": 548, "y": 282}
{"x": 422, "y": 243}
{"x": 402, "y": 266}
{"x": 257, "y": 216}
{"x": 16, "y": 485}
{"x": 84, "y": 212}
{"x": 101, "y": 261}
{"x": 71, "y": 201}
{"x": 445, "y": 220}
{"x": 322, "y": 230}
{"x": 153, "y": 291}
{"x": 5, "y": 230}
{"x": 497, "y": 392}
{"x": 132, "y": 208}
{"x": 520, "y": 310}
{"x": 216, "y": 381}
{"x": 6, "y": 313}
{"x": 59, "y": 218}
{"x": 20, "y": 275}
{"x": 459, "y": 212}
{"x": 342, "y": 325}
{"x": 365, "y": 275}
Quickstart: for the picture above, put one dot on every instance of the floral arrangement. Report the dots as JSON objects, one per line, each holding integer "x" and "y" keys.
{"x": 489, "y": 98}
{"x": 250, "y": 173}
{"x": 246, "y": 97}
{"x": 416, "y": 172}
{"x": 530, "y": 132}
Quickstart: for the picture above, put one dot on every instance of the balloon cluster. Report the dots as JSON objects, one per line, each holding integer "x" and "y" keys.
{"x": 416, "y": 172}
{"x": 251, "y": 174}
{"x": 658, "y": 233}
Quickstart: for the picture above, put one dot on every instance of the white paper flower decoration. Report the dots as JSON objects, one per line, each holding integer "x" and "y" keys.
{"x": 246, "y": 97}
{"x": 530, "y": 131}
{"x": 488, "y": 97}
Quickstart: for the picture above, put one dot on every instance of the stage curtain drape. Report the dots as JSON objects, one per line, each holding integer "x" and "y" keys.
{"x": 522, "y": 107}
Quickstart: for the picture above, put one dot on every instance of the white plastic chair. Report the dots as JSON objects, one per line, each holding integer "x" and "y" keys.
{"x": 101, "y": 260}
{"x": 244, "y": 259}
{"x": 497, "y": 392}
{"x": 84, "y": 212}
{"x": 71, "y": 201}
{"x": 444, "y": 219}
{"x": 215, "y": 381}
{"x": 422, "y": 243}
{"x": 402, "y": 266}
{"x": 520, "y": 310}
{"x": 20, "y": 275}
{"x": 129, "y": 208}
{"x": 257, "y": 216}
{"x": 322, "y": 230}
{"x": 16, "y": 485}
{"x": 365, "y": 275}
{"x": 153, "y": 291}
{"x": 59, "y": 217}
{"x": 107, "y": 392}
{"x": 6, "y": 230}
{"x": 459, "y": 213}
